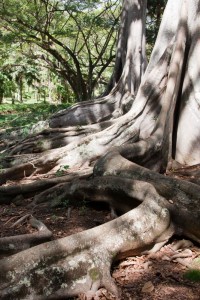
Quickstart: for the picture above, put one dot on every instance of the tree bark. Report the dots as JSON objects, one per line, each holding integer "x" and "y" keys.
{"x": 1, "y": 98}
{"x": 146, "y": 126}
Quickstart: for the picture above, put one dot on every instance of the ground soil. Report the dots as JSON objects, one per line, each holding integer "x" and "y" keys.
{"x": 143, "y": 277}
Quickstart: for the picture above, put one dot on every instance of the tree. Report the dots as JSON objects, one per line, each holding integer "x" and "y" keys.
{"x": 6, "y": 85}
{"x": 24, "y": 71}
{"x": 17, "y": 69}
{"x": 119, "y": 147}
{"x": 154, "y": 14}
{"x": 66, "y": 32}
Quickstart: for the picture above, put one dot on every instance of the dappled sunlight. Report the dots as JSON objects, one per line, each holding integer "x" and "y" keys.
{"x": 188, "y": 130}
{"x": 119, "y": 150}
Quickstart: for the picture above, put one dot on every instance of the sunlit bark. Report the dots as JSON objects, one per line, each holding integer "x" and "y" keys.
{"x": 148, "y": 124}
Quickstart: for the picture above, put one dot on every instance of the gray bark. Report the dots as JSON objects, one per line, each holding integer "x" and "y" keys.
{"x": 159, "y": 130}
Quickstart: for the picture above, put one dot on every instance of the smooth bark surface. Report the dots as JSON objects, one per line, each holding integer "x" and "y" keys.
{"x": 118, "y": 149}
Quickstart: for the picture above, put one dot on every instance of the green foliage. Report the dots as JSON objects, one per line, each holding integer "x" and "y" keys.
{"x": 54, "y": 217}
{"x": 83, "y": 207}
{"x": 61, "y": 171}
{"x": 74, "y": 39}
{"x": 7, "y": 86}
{"x": 83, "y": 210}
{"x": 65, "y": 203}
{"x": 19, "y": 115}
{"x": 193, "y": 275}
{"x": 155, "y": 10}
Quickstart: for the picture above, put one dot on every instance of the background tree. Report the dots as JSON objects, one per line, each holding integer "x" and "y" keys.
{"x": 93, "y": 48}
{"x": 77, "y": 38}
{"x": 7, "y": 86}
{"x": 24, "y": 71}
{"x": 114, "y": 148}
{"x": 155, "y": 10}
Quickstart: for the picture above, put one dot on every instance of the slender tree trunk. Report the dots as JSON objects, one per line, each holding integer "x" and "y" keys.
{"x": 1, "y": 98}
{"x": 21, "y": 89}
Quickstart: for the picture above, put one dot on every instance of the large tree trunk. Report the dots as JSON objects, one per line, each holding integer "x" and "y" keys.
{"x": 147, "y": 125}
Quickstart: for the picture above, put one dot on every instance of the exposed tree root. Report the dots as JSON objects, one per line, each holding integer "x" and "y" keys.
{"x": 134, "y": 142}
{"x": 62, "y": 260}
{"x": 88, "y": 112}
{"x": 52, "y": 138}
{"x": 128, "y": 128}
{"x": 189, "y": 173}
{"x": 20, "y": 242}
{"x": 77, "y": 260}
{"x": 9, "y": 192}
{"x": 117, "y": 184}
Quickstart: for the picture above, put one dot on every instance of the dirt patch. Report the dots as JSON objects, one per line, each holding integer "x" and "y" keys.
{"x": 154, "y": 277}
{"x": 62, "y": 221}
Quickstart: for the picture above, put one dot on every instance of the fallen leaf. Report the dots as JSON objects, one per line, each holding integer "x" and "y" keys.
{"x": 148, "y": 287}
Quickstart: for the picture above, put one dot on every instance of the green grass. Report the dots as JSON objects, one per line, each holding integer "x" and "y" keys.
{"x": 193, "y": 275}
{"x": 20, "y": 115}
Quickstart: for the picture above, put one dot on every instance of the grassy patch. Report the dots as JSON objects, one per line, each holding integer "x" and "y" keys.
{"x": 19, "y": 115}
{"x": 193, "y": 275}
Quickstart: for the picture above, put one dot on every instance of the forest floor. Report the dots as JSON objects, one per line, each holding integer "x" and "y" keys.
{"x": 154, "y": 277}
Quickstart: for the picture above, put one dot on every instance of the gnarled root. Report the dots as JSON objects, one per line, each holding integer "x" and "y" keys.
{"x": 81, "y": 262}
{"x": 24, "y": 241}
{"x": 9, "y": 192}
